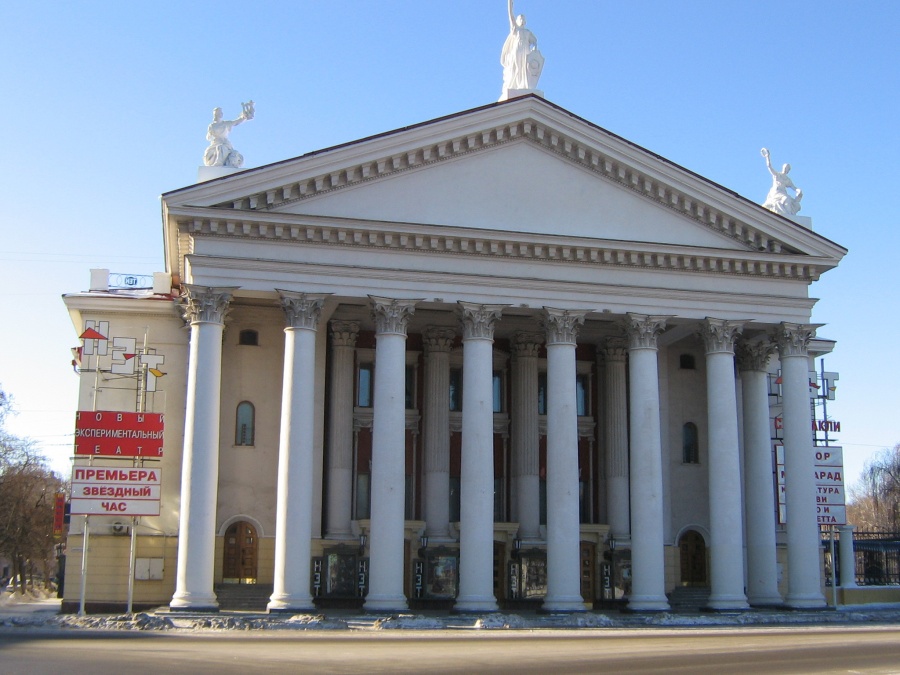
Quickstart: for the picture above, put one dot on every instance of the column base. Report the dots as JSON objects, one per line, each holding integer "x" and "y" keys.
{"x": 563, "y": 604}
{"x": 648, "y": 604}
{"x": 766, "y": 602}
{"x": 192, "y": 602}
{"x": 727, "y": 603}
{"x": 475, "y": 605}
{"x": 286, "y": 604}
{"x": 805, "y": 602}
{"x": 386, "y": 603}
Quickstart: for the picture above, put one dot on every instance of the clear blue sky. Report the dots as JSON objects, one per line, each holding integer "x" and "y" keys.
{"x": 107, "y": 104}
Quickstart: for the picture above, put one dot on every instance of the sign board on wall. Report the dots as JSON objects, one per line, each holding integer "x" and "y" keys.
{"x": 109, "y": 491}
{"x": 104, "y": 433}
{"x": 829, "y": 476}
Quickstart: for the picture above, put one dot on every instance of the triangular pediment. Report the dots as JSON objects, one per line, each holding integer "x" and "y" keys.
{"x": 523, "y": 166}
{"x": 514, "y": 187}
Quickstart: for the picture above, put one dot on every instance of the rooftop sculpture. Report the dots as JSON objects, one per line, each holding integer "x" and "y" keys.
{"x": 521, "y": 60}
{"x": 220, "y": 151}
{"x": 779, "y": 200}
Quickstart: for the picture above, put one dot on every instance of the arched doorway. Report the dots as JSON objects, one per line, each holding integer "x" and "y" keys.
{"x": 693, "y": 559}
{"x": 240, "y": 558}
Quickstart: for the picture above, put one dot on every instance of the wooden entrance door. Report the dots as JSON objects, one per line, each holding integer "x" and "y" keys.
{"x": 693, "y": 559}
{"x": 241, "y": 549}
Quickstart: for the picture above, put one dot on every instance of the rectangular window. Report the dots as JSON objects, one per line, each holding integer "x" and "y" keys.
{"x": 410, "y": 387}
{"x": 581, "y": 395}
{"x": 362, "y": 496}
{"x": 454, "y": 499}
{"x": 498, "y": 501}
{"x": 364, "y": 383}
{"x": 498, "y": 391}
{"x": 456, "y": 389}
{"x": 542, "y": 393}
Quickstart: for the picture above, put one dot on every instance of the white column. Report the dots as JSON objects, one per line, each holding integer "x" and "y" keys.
{"x": 340, "y": 431}
{"x": 648, "y": 586}
{"x": 205, "y": 310}
{"x": 563, "y": 526}
{"x": 438, "y": 342}
{"x": 847, "y": 557}
{"x": 804, "y": 575}
{"x": 615, "y": 422}
{"x": 525, "y": 433}
{"x": 759, "y": 488}
{"x": 388, "y": 455}
{"x": 294, "y": 503}
{"x": 725, "y": 512}
{"x": 476, "y": 541}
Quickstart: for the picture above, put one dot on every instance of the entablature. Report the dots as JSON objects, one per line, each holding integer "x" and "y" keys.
{"x": 431, "y": 240}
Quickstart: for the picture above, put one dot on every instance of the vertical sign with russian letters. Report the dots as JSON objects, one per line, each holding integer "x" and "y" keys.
{"x": 829, "y": 476}
{"x": 59, "y": 513}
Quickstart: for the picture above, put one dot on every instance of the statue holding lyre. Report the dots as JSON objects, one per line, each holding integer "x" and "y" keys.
{"x": 220, "y": 151}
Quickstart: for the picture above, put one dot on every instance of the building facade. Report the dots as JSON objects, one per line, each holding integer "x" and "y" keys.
{"x": 500, "y": 357}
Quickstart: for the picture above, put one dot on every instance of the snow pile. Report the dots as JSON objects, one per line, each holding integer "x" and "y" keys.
{"x": 119, "y": 622}
{"x": 502, "y": 621}
{"x": 311, "y": 622}
{"x": 587, "y": 620}
{"x": 228, "y": 623}
{"x": 408, "y": 622}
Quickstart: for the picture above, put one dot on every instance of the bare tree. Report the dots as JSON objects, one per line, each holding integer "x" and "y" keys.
{"x": 875, "y": 501}
{"x": 27, "y": 487}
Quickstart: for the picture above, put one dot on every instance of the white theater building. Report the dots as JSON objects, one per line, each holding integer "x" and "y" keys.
{"x": 500, "y": 357}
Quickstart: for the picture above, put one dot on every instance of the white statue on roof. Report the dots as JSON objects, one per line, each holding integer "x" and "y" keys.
{"x": 521, "y": 60}
{"x": 779, "y": 200}
{"x": 220, "y": 151}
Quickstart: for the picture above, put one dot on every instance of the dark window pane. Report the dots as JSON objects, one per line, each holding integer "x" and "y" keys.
{"x": 542, "y": 393}
{"x": 456, "y": 389}
{"x": 581, "y": 395}
{"x": 690, "y": 444}
{"x": 364, "y": 386}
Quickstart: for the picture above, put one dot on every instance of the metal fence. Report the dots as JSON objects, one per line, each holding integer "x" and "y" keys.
{"x": 877, "y": 556}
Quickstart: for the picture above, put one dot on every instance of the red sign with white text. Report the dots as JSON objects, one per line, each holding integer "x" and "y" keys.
{"x": 105, "y": 433}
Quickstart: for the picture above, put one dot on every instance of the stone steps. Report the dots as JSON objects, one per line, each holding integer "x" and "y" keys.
{"x": 689, "y": 598}
{"x": 246, "y": 597}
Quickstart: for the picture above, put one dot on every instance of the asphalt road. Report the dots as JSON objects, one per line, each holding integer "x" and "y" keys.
{"x": 872, "y": 649}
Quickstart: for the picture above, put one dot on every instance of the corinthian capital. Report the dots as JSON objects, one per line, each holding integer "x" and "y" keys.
{"x": 753, "y": 355}
{"x": 302, "y": 310}
{"x": 642, "y": 330}
{"x": 793, "y": 338}
{"x": 438, "y": 339}
{"x": 392, "y": 315}
{"x": 614, "y": 349}
{"x": 561, "y": 325}
{"x": 527, "y": 344}
{"x": 719, "y": 335}
{"x": 344, "y": 333}
{"x": 478, "y": 320}
{"x": 205, "y": 304}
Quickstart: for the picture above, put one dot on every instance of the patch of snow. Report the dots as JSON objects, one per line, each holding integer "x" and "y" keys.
{"x": 408, "y": 622}
{"x": 502, "y": 621}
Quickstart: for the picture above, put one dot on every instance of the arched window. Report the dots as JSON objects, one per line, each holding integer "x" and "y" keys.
{"x": 690, "y": 440}
{"x": 248, "y": 337}
{"x": 686, "y": 362}
{"x": 245, "y": 423}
